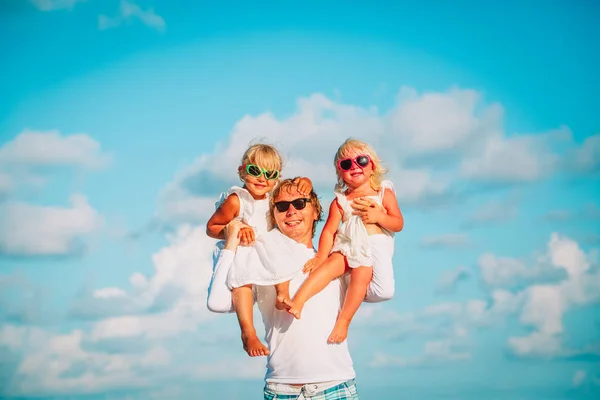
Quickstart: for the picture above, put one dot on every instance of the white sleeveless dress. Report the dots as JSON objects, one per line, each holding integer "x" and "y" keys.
{"x": 352, "y": 238}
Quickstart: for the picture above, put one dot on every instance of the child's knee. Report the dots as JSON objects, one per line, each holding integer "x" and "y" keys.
{"x": 362, "y": 275}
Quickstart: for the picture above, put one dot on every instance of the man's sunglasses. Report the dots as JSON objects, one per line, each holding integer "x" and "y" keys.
{"x": 346, "y": 164}
{"x": 256, "y": 171}
{"x": 299, "y": 204}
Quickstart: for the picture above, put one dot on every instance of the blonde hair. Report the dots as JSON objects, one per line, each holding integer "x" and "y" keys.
{"x": 352, "y": 147}
{"x": 263, "y": 155}
{"x": 287, "y": 185}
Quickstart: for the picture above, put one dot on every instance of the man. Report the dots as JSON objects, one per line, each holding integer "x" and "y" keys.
{"x": 300, "y": 363}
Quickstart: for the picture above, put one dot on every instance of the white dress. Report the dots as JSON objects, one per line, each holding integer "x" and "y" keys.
{"x": 254, "y": 213}
{"x": 275, "y": 259}
{"x": 352, "y": 238}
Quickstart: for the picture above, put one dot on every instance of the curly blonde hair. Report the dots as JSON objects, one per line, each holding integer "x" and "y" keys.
{"x": 351, "y": 148}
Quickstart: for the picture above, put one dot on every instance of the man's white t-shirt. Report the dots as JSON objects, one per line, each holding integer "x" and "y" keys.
{"x": 299, "y": 352}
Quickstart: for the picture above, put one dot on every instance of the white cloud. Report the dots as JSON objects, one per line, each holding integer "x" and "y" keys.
{"x": 587, "y": 157}
{"x": 234, "y": 368}
{"x": 579, "y": 377}
{"x": 50, "y": 149}
{"x": 437, "y": 122}
{"x": 178, "y": 289}
{"x": 545, "y": 305}
{"x": 307, "y": 141}
{"x": 43, "y": 230}
{"x": 432, "y": 143}
{"x": 108, "y": 293}
{"x": 449, "y": 279}
{"x": 588, "y": 212}
{"x": 558, "y": 215}
{"x": 502, "y": 271}
{"x": 541, "y": 306}
{"x": 59, "y": 364}
{"x": 537, "y": 344}
{"x": 523, "y": 158}
{"x": 19, "y": 337}
{"x": 52, "y": 5}
{"x": 129, "y": 11}
{"x": 417, "y": 184}
{"x": 5, "y": 183}
{"x": 434, "y": 353}
{"x": 176, "y": 205}
{"x": 446, "y": 240}
{"x": 494, "y": 211}
{"x": 29, "y": 158}
{"x": 544, "y": 308}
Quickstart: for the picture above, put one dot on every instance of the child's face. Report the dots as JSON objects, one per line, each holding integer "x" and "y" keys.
{"x": 258, "y": 187}
{"x": 356, "y": 175}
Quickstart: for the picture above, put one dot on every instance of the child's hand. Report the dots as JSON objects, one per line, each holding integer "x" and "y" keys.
{"x": 246, "y": 235}
{"x": 369, "y": 211}
{"x": 304, "y": 185}
{"x": 312, "y": 264}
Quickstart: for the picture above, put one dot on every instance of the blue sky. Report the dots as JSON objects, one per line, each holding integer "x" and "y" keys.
{"x": 122, "y": 121}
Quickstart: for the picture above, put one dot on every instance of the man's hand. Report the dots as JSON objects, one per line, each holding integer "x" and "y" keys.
{"x": 233, "y": 235}
{"x": 304, "y": 186}
{"x": 312, "y": 264}
{"x": 369, "y": 211}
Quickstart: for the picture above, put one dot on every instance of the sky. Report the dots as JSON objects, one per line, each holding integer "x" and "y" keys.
{"x": 121, "y": 122}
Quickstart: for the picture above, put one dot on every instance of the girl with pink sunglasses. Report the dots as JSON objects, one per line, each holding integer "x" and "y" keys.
{"x": 363, "y": 244}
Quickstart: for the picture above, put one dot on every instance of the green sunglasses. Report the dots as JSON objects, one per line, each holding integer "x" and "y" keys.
{"x": 256, "y": 171}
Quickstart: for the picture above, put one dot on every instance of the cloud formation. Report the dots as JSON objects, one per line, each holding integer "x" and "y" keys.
{"x": 448, "y": 280}
{"x": 53, "y": 5}
{"x": 435, "y": 144}
{"x": 515, "y": 290}
{"x": 130, "y": 11}
{"x": 30, "y": 230}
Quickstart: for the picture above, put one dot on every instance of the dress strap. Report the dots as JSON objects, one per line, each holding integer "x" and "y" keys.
{"x": 385, "y": 185}
{"x": 246, "y": 200}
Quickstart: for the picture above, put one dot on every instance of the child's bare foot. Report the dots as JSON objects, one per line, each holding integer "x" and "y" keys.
{"x": 295, "y": 309}
{"x": 339, "y": 332}
{"x": 253, "y": 345}
{"x": 283, "y": 302}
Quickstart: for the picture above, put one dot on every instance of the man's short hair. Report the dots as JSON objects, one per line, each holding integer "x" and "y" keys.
{"x": 287, "y": 184}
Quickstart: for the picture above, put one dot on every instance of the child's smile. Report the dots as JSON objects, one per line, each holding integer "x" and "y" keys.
{"x": 259, "y": 187}
{"x": 357, "y": 176}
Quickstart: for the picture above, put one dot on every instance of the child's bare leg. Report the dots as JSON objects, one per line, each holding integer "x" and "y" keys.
{"x": 283, "y": 301}
{"x": 332, "y": 268}
{"x": 359, "y": 282}
{"x": 243, "y": 303}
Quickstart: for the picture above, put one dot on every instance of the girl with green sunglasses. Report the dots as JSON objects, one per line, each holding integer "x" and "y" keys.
{"x": 259, "y": 171}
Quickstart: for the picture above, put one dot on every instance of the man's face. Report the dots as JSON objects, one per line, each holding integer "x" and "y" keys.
{"x": 293, "y": 223}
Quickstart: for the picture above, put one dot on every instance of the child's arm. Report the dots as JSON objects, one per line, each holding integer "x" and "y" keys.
{"x": 305, "y": 185}
{"x": 224, "y": 215}
{"x": 393, "y": 220}
{"x": 388, "y": 216}
{"x": 327, "y": 236}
